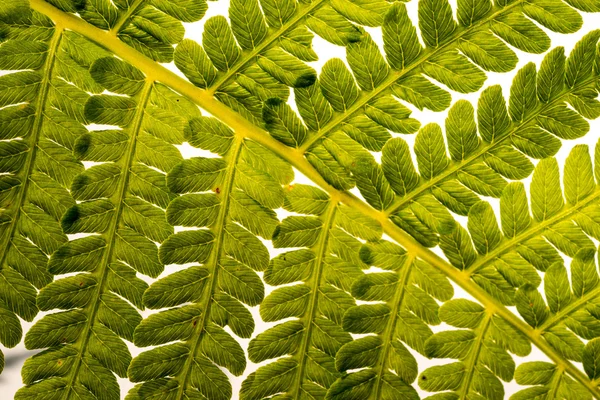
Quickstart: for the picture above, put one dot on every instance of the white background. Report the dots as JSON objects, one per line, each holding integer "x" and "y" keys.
{"x": 10, "y": 380}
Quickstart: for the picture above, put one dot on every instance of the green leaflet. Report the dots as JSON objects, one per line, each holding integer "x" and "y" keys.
{"x": 149, "y": 27}
{"x": 262, "y": 51}
{"x": 408, "y": 292}
{"x": 514, "y": 251}
{"x": 232, "y": 197}
{"x": 483, "y": 162}
{"x": 41, "y": 119}
{"x": 568, "y": 313}
{"x": 325, "y": 264}
{"x": 122, "y": 201}
{"x": 443, "y": 63}
{"x": 485, "y": 154}
{"x": 481, "y": 351}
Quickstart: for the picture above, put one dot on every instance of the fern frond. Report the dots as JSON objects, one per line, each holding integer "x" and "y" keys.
{"x": 232, "y": 196}
{"x": 483, "y": 154}
{"x": 41, "y": 117}
{"x": 121, "y": 201}
{"x": 150, "y": 27}
{"x": 505, "y": 263}
{"x": 370, "y": 174}
{"x": 455, "y": 55}
{"x": 405, "y": 309}
{"x": 263, "y": 50}
{"x": 326, "y": 264}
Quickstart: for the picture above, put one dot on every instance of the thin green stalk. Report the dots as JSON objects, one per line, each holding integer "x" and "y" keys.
{"x": 124, "y": 18}
{"x": 555, "y": 384}
{"x": 33, "y": 140}
{"x": 314, "y": 280}
{"x": 117, "y": 199}
{"x": 390, "y": 332}
{"x": 213, "y": 264}
{"x": 474, "y": 357}
{"x": 570, "y": 308}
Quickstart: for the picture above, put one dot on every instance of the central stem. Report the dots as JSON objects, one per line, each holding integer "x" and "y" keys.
{"x": 315, "y": 281}
{"x": 390, "y": 333}
{"x": 214, "y": 264}
{"x": 118, "y": 198}
{"x": 474, "y": 357}
{"x": 246, "y": 129}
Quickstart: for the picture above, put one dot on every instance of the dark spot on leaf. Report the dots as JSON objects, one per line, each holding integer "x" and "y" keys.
{"x": 353, "y": 37}
{"x": 276, "y": 232}
{"x": 82, "y": 145}
{"x": 70, "y": 217}
{"x": 273, "y": 102}
{"x": 305, "y": 80}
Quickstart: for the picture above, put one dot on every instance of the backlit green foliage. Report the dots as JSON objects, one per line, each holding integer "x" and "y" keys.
{"x": 96, "y": 199}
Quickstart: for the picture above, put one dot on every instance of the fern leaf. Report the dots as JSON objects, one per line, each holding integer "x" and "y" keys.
{"x": 507, "y": 268}
{"x": 473, "y": 36}
{"x": 405, "y": 309}
{"x": 484, "y": 155}
{"x": 121, "y": 204}
{"x": 152, "y": 28}
{"x": 42, "y": 100}
{"x": 326, "y": 263}
{"x": 332, "y": 151}
{"x": 263, "y": 49}
{"x": 232, "y": 196}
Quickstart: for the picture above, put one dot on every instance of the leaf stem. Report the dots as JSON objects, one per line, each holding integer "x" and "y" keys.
{"x": 214, "y": 265}
{"x": 390, "y": 333}
{"x": 556, "y": 381}
{"x": 573, "y": 306}
{"x": 124, "y": 18}
{"x": 118, "y": 198}
{"x": 315, "y": 281}
{"x": 474, "y": 357}
{"x": 33, "y": 140}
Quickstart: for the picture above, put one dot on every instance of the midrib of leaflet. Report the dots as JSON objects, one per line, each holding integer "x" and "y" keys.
{"x": 118, "y": 199}
{"x": 426, "y": 55}
{"x": 314, "y": 280}
{"x": 474, "y": 357}
{"x": 34, "y": 137}
{"x": 390, "y": 332}
{"x": 213, "y": 264}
